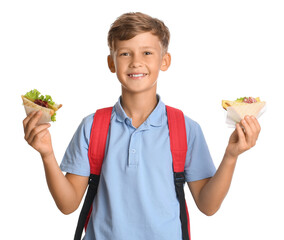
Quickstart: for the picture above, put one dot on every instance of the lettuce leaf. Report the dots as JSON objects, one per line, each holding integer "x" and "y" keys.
{"x": 53, "y": 117}
{"x": 32, "y": 95}
{"x": 48, "y": 99}
{"x": 240, "y": 99}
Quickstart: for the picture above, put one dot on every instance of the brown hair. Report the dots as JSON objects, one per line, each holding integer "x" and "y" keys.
{"x": 131, "y": 24}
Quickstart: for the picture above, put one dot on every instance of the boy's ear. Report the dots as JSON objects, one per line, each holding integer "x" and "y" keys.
{"x": 110, "y": 63}
{"x": 166, "y": 62}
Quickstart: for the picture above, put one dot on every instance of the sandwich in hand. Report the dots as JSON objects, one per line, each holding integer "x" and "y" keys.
{"x": 34, "y": 101}
{"x": 243, "y": 106}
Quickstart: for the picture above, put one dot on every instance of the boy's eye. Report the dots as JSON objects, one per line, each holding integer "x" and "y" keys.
{"x": 124, "y": 54}
{"x": 147, "y": 53}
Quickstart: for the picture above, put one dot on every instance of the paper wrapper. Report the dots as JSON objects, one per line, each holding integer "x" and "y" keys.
{"x": 237, "y": 112}
{"x": 45, "y": 117}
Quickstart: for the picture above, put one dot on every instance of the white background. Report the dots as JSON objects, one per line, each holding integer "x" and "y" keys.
{"x": 220, "y": 50}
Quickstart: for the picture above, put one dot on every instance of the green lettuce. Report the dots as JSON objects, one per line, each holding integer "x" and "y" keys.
{"x": 53, "y": 117}
{"x": 241, "y": 99}
{"x": 47, "y": 98}
{"x": 35, "y": 94}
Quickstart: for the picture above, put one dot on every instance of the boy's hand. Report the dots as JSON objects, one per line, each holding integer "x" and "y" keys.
{"x": 36, "y": 135}
{"x": 242, "y": 140}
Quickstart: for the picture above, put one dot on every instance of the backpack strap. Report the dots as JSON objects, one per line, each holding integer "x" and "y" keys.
{"x": 98, "y": 139}
{"x": 178, "y": 143}
{"x": 96, "y": 154}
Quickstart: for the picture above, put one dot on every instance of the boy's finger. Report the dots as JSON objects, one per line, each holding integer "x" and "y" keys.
{"x": 40, "y": 135}
{"x": 241, "y": 134}
{"x": 248, "y": 130}
{"x": 256, "y": 123}
{"x": 32, "y": 123}
{"x": 253, "y": 123}
{"x": 27, "y": 119}
{"x": 37, "y": 130}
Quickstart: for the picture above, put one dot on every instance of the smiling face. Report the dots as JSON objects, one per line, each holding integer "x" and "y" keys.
{"x": 137, "y": 62}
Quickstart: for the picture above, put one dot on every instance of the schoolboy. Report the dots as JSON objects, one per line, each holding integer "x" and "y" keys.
{"x": 136, "y": 198}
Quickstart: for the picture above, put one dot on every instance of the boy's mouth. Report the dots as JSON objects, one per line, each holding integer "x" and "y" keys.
{"x": 136, "y": 75}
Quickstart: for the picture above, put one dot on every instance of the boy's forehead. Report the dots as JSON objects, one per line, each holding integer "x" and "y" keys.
{"x": 141, "y": 40}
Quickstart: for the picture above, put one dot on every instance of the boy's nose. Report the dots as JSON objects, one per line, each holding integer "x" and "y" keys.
{"x": 136, "y": 62}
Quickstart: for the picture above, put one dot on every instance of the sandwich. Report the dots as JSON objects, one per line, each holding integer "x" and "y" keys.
{"x": 34, "y": 101}
{"x": 241, "y": 107}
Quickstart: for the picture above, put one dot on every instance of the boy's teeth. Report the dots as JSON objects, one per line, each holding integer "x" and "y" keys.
{"x": 137, "y": 75}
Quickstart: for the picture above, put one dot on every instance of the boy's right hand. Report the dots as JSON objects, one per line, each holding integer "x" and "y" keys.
{"x": 37, "y": 135}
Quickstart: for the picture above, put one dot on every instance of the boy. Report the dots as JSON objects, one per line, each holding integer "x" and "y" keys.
{"x": 136, "y": 197}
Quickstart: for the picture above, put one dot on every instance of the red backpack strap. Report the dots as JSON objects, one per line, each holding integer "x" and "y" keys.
{"x": 178, "y": 139}
{"x": 96, "y": 152}
{"x": 178, "y": 143}
{"x": 98, "y": 139}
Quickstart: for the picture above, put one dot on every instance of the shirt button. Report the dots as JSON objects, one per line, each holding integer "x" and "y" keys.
{"x": 133, "y": 150}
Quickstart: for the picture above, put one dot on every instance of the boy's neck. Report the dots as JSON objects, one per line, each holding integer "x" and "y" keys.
{"x": 138, "y": 106}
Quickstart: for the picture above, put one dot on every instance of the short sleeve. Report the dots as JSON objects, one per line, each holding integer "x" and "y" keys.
{"x": 198, "y": 164}
{"x": 75, "y": 159}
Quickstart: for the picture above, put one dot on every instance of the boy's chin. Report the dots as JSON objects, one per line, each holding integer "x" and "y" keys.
{"x": 139, "y": 90}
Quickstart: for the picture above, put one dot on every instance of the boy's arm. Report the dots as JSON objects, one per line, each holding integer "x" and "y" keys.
{"x": 67, "y": 191}
{"x": 209, "y": 193}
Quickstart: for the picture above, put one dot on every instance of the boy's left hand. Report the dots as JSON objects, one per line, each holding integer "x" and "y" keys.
{"x": 242, "y": 140}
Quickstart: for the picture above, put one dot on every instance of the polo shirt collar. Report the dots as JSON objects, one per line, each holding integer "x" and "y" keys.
{"x": 154, "y": 119}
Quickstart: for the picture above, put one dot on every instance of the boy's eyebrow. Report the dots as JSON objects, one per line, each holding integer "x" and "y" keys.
{"x": 148, "y": 47}
{"x": 144, "y": 47}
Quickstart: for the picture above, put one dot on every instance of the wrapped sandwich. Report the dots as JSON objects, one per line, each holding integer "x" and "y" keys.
{"x": 34, "y": 101}
{"x": 238, "y": 109}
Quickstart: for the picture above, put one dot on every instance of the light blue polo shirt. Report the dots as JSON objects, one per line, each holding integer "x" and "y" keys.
{"x": 136, "y": 198}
